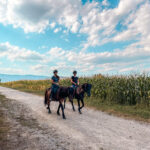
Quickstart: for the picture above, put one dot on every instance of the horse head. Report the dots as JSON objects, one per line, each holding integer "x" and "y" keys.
{"x": 87, "y": 88}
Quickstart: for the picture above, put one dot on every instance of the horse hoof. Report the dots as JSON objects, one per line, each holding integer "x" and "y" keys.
{"x": 80, "y": 112}
{"x": 49, "y": 112}
{"x": 74, "y": 110}
{"x": 58, "y": 113}
{"x": 64, "y": 117}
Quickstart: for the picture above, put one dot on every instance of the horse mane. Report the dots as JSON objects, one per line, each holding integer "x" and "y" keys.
{"x": 84, "y": 85}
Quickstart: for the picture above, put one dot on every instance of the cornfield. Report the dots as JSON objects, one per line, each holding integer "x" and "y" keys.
{"x": 124, "y": 90}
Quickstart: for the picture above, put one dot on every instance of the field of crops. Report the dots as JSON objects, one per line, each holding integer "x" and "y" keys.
{"x": 130, "y": 90}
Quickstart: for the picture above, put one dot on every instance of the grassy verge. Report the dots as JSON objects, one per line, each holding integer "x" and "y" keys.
{"x": 127, "y": 111}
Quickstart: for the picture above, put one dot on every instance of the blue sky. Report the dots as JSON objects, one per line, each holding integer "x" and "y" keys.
{"x": 91, "y": 36}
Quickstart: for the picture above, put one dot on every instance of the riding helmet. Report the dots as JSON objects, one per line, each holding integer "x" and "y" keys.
{"x": 55, "y": 71}
{"x": 74, "y": 72}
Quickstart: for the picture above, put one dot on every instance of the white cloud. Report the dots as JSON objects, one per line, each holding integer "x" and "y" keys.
{"x": 56, "y": 52}
{"x": 129, "y": 69}
{"x": 99, "y": 24}
{"x": 37, "y": 15}
{"x": 137, "y": 25}
{"x": 126, "y": 6}
{"x": 11, "y": 71}
{"x": 105, "y": 3}
{"x": 52, "y": 25}
{"x": 40, "y": 69}
{"x": 118, "y": 60}
{"x": 66, "y": 60}
{"x": 16, "y": 53}
{"x": 57, "y": 30}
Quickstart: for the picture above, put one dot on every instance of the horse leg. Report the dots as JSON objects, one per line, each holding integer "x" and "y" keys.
{"x": 58, "y": 110}
{"x": 49, "y": 110}
{"x": 82, "y": 104}
{"x": 64, "y": 103}
{"x": 62, "y": 108}
{"x": 79, "y": 106}
{"x": 48, "y": 101}
{"x": 72, "y": 105}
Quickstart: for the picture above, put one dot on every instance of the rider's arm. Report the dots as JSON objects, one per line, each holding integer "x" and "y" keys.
{"x": 73, "y": 82}
{"x": 54, "y": 82}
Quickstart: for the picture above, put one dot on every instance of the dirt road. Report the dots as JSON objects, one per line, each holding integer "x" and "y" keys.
{"x": 92, "y": 130}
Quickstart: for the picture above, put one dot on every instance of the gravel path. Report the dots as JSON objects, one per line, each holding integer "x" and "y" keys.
{"x": 92, "y": 130}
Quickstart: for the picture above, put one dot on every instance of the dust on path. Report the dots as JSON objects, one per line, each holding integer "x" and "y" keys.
{"x": 92, "y": 130}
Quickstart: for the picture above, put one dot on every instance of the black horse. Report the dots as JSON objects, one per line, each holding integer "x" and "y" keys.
{"x": 79, "y": 95}
{"x": 60, "y": 95}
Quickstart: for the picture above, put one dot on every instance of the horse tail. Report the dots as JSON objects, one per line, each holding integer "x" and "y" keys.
{"x": 45, "y": 100}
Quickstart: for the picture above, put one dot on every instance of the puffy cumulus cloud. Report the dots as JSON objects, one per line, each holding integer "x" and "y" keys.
{"x": 56, "y": 52}
{"x": 70, "y": 16}
{"x": 126, "y": 6}
{"x": 117, "y": 61}
{"x": 15, "y": 53}
{"x": 100, "y": 24}
{"x": 105, "y": 3}
{"x": 37, "y": 15}
{"x": 23, "y": 14}
{"x": 121, "y": 61}
{"x": 137, "y": 24}
{"x": 40, "y": 69}
{"x": 53, "y": 24}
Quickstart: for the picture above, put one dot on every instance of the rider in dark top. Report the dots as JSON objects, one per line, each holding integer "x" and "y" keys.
{"x": 55, "y": 82}
{"x": 74, "y": 79}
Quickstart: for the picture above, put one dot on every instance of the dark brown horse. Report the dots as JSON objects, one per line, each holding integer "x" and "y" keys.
{"x": 79, "y": 95}
{"x": 60, "y": 95}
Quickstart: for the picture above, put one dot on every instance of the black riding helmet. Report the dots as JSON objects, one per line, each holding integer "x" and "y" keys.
{"x": 74, "y": 72}
{"x": 55, "y": 71}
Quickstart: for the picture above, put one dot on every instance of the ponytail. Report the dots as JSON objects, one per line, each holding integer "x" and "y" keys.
{"x": 57, "y": 77}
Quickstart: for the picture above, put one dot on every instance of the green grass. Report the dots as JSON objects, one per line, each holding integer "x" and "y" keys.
{"x": 134, "y": 112}
{"x": 127, "y": 96}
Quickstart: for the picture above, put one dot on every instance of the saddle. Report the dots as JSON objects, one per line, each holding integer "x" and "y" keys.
{"x": 54, "y": 93}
